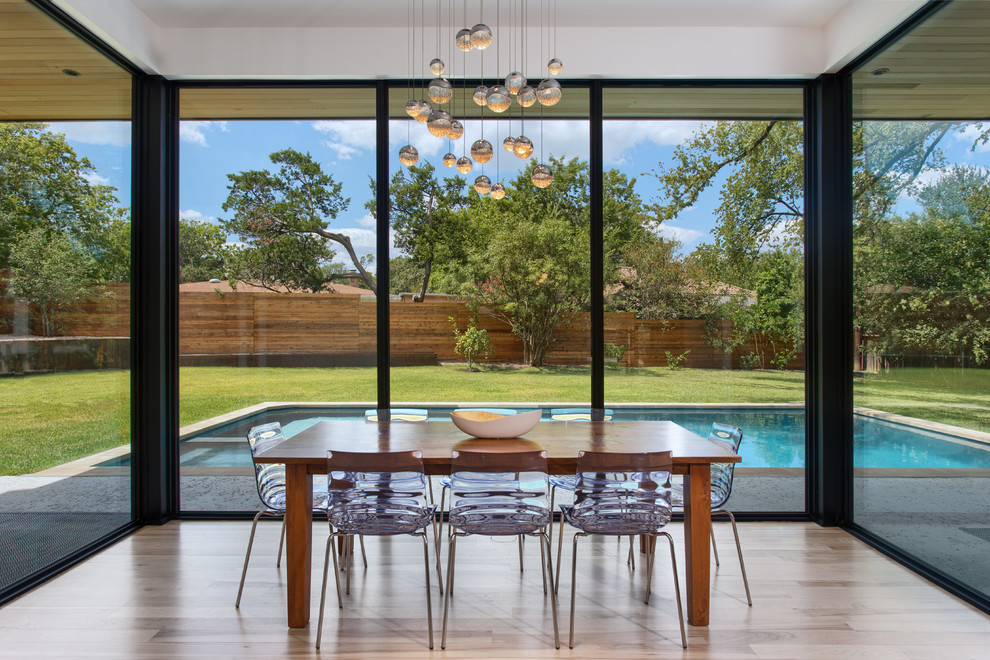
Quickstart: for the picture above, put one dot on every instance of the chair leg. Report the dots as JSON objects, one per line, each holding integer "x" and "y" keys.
{"x": 323, "y": 593}
{"x": 742, "y": 564}
{"x": 543, "y": 566}
{"x": 520, "y": 553}
{"x": 548, "y": 566}
{"x": 364, "y": 556}
{"x": 429, "y": 602}
{"x": 553, "y": 493}
{"x": 451, "y": 551}
{"x": 651, "y": 556}
{"x": 714, "y": 547}
{"x": 570, "y": 641}
{"x": 677, "y": 588}
{"x": 247, "y": 557}
{"x": 436, "y": 543}
{"x": 631, "y": 558}
{"x": 348, "y": 560}
{"x": 560, "y": 547}
{"x": 281, "y": 542}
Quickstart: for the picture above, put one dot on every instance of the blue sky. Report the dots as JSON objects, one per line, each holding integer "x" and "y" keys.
{"x": 209, "y": 150}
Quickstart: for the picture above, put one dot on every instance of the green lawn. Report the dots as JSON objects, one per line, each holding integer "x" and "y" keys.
{"x": 54, "y": 418}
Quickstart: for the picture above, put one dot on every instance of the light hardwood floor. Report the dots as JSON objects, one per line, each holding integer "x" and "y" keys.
{"x": 168, "y": 592}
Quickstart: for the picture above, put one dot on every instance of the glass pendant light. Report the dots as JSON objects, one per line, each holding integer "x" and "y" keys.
{"x": 463, "y": 39}
{"x": 464, "y": 164}
{"x": 482, "y": 185}
{"x": 481, "y": 151}
{"x": 449, "y": 160}
{"x": 499, "y": 99}
{"x": 408, "y": 155}
{"x": 481, "y": 36}
{"x": 481, "y": 95}
{"x": 526, "y": 96}
{"x": 425, "y": 110}
{"x": 523, "y": 147}
{"x": 514, "y": 82}
{"x": 542, "y": 176}
{"x": 498, "y": 191}
{"x": 412, "y": 107}
{"x": 437, "y": 66}
{"x": 440, "y": 91}
{"x": 439, "y": 123}
{"x": 554, "y": 67}
{"x": 509, "y": 143}
{"x": 549, "y": 92}
{"x": 456, "y": 130}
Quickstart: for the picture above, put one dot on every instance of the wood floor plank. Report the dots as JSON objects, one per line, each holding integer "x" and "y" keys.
{"x": 168, "y": 592}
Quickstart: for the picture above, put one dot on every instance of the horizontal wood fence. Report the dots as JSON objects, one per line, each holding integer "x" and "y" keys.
{"x": 328, "y": 329}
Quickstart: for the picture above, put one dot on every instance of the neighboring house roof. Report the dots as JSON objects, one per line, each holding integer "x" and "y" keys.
{"x": 248, "y": 287}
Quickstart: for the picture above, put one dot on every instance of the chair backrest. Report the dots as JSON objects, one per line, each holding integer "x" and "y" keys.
{"x": 501, "y": 488}
{"x": 269, "y": 477}
{"x": 728, "y": 437}
{"x": 378, "y": 493}
{"x": 622, "y": 493}
{"x": 395, "y": 470}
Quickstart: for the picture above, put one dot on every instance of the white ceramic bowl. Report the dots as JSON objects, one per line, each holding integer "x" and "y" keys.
{"x": 482, "y": 424}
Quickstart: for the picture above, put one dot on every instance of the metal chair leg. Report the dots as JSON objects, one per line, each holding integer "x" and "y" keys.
{"x": 349, "y": 560}
{"x": 742, "y": 564}
{"x": 543, "y": 566}
{"x": 631, "y": 558}
{"x": 711, "y": 529}
{"x": 451, "y": 551}
{"x": 548, "y": 564}
{"x": 436, "y": 543}
{"x": 570, "y": 641}
{"x": 429, "y": 605}
{"x": 323, "y": 593}
{"x": 281, "y": 542}
{"x": 520, "y": 553}
{"x": 560, "y": 547}
{"x": 651, "y": 556}
{"x": 677, "y": 588}
{"x": 247, "y": 555}
{"x": 364, "y": 556}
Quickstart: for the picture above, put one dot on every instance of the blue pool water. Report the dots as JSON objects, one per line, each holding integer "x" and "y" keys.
{"x": 772, "y": 437}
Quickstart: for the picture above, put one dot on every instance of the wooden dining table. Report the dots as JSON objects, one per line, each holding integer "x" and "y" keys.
{"x": 305, "y": 454}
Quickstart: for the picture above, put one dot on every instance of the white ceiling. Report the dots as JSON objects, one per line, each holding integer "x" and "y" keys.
{"x": 360, "y": 39}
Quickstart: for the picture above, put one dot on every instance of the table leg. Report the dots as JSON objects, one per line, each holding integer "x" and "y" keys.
{"x": 298, "y": 542}
{"x": 697, "y": 530}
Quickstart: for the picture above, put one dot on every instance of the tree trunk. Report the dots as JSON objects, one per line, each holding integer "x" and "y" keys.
{"x": 426, "y": 282}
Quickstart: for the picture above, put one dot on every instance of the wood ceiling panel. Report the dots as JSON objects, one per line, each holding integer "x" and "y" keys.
{"x": 277, "y": 103}
{"x": 35, "y": 51}
{"x": 940, "y": 70}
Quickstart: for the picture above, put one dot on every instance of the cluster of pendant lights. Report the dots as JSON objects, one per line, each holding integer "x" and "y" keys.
{"x": 497, "y": 98}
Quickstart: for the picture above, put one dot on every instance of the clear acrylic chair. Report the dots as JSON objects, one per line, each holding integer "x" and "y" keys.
{"x": 729, "y": 437}
{"x": 270, "y": 479}
{"x": 379, "y": 494}
{"x": 620, "y": 494}
{"x": 499, "y": 494}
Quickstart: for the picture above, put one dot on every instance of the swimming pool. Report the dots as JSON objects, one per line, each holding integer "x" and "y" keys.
{"x": 772, "y": 437}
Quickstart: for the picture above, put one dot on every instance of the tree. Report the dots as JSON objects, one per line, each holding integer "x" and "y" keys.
{"x": 45, "y": 185}
{"x": 533, "y": 276}
{"x": 203, "y": 252}
{"x": 51, "y": 272}
{"x": 284, "y": 219}
{"x": 424, "y": 214}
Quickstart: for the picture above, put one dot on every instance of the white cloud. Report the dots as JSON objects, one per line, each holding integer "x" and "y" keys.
{"x": 192, "y": 214}
{"x": 970, "y": 135}
{"x": 347, "y": 138}
{"x": 402, "y": 132}
{"x": 618, "y": 137}
{"x": 360, "y": 238}
{"x": 367, "y": 221}
{"x": 94, "y": 179}
{"x": 681, "y": 234}
{"x": 195, "y": 131}
{"x": 113, "y": 133}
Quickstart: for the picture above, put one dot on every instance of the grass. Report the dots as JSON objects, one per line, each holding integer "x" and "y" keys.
{"x": 51, "y": 419}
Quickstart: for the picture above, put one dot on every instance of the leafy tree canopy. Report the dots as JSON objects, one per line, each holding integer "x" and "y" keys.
{"x": 203, "y": 251}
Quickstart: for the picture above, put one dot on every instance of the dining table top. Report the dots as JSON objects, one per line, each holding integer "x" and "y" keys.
{"x": 436, "y": 438}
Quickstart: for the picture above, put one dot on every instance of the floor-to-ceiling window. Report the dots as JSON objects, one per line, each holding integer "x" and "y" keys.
{"x": 704, "y": 270}
{"x": 489, "y": 272}
{"x": 65, "y": 192}
{"x": 277, "y": 272}
{"x": 922, "y": 293}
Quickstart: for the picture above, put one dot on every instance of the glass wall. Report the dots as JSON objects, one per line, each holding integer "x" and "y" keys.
{"x": 65, "y": 193}
{"x": 277, "y": 273}
{"x": 704, "y": 269}
{"x": 489, "y": 272}
{"x": 922, "y": 293}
